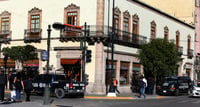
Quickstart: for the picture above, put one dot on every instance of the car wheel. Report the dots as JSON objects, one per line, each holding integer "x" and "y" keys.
{"x": 177, "y": 92}
{"x": 59, "y": 92}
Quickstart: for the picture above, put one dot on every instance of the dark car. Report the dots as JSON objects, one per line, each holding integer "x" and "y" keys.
{"x": 58, "y": 85}
{"x": 175, "y": 85}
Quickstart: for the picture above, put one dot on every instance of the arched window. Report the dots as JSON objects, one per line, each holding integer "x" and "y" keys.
{"x": 126, "y": 26}
{"x": 117, "y": 22}
{"x": 177, "y": 39}
{"x": 135, "y": 31}
{"x": 72, "y": 15}
{"x": 153, "y": 30}
{"x": 188, "y": 44}
{"x": 166, "y": 33}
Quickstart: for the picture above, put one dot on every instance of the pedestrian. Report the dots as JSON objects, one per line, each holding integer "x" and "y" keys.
{"x": 12, "y": 87}
{"x": 19, "y": 86}
{"x": 2, "y": 86}
{"x": 115, "y": 86}
{"x": 142, "y": 85}
{"x": 28, "y": 87}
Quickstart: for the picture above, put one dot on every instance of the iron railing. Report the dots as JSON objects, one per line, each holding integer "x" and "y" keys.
{"x": 32, "y": 35}
{"x": 99, "y": 31}
{"x": 5, "y": 36}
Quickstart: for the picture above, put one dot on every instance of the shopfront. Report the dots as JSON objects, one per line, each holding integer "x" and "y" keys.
{"x": 72, "y": 68}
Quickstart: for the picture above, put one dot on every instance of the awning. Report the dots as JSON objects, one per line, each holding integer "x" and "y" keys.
{"x": 70, "y": 61}
{"x": 10, "y": 63}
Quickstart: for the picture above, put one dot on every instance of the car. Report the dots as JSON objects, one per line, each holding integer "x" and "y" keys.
{"x": 58, "y": 85}
{"x": 195, "y": 90}
{"x": 175, "y": 85}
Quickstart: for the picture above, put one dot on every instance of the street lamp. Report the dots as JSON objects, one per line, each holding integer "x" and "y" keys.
{"x": 47, "y": 91}
{"x": 111, "y": 89}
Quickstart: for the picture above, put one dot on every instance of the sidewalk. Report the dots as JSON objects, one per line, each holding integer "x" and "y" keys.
{"x": 123, "y": 96}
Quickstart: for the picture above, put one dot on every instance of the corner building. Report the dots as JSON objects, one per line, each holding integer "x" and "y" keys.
{"x": 25, "y": 22}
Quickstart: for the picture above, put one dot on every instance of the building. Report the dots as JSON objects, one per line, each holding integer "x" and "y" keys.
{"x": 135, "y": 23}
{"x": 189, "y": 14}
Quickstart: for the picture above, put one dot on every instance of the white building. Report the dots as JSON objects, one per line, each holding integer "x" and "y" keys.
{"x": 26, "y": 22}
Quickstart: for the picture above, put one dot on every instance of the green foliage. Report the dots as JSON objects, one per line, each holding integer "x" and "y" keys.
{"x": 21, "y": 53}
{"x": 159, "y": 57}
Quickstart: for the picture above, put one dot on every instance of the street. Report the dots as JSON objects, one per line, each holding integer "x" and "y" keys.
{"x": 166, "y": 101}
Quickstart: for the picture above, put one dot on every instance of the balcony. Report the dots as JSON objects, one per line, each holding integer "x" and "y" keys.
{"x": 190, "y": 53}
{"x": 103, "y": 33}
{"x": 5, "y": 36}
{"x": 32, "y": 35}
{"x": 180, "y": 50}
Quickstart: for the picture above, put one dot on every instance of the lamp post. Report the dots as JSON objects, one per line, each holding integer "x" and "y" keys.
{"x": 47, "y": 91}
{"x": 111, "y": 89}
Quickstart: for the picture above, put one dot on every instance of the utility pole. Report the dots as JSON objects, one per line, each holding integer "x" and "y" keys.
{"x": 47, "y": 91}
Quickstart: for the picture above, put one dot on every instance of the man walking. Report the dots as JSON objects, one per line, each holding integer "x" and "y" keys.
{"x": 2, "y": 86}
{"x": 143, "y": 85}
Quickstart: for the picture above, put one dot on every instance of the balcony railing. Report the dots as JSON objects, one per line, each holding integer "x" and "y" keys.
{"x": 120, "y": 37}
{"x": 190, "y": 53}
{"x": 180, "y": 50}
{"x": 5, "y": 36}
{"x": 32, "y": 35}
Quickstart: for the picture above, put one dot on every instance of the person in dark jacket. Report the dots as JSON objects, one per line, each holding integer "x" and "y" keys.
{"x": 28, "y": 87}
{"x": 2, "y": 85}
{"x": 19, "y": 86}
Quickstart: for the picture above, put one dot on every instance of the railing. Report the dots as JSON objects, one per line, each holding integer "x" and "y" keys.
{"x": 119, "y": 35}
{"x": 5, "y": 36}
{"x": 190, "y": 53}
{"x": 32, "y": 35}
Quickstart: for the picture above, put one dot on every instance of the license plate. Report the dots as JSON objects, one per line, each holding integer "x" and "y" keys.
{"x": 164, "y": 91}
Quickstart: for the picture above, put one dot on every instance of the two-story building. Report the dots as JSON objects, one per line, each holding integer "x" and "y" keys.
{"x": 135, "y": 23}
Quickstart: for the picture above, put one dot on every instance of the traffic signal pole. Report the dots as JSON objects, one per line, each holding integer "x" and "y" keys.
{"x": 84, "y": 53}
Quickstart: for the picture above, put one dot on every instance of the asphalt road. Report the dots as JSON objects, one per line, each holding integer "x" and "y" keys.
{"x": 180, "y": 101}
{"x": 175, "y": 101}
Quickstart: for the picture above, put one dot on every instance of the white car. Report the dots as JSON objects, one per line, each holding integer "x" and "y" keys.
{"x": 196, "y": 90}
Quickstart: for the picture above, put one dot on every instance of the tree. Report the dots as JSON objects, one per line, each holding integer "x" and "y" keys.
{"x": 159, "y": 58}
{"x": 20, "y": 53}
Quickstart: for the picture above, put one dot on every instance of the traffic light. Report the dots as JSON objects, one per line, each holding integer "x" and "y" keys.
{"x": 88, "y": 55}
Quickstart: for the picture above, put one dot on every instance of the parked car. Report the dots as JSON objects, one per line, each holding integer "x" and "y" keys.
{"x": 175, "y": 85}
{"x": 58, "y": 85}
{"x": 195, "y": 90}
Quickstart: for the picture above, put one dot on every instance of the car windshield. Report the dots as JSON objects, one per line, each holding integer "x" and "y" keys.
{"x": 170, "y": 80}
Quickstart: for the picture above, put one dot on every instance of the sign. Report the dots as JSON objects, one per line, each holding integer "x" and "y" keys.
{"x": 72, "y": 28}
{"x": 44, "y": 55}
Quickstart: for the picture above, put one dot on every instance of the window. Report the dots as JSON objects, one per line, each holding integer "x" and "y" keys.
{"x": 188, "y": 44}
{"x": 72, "y": 18}
{"x": 5, "y": 32}
{"x": 166, "y": 33}
{"x": 126, "y": 36}
{"x": 177, "y": 39}
{"x": 34, "y": 20}
{"x": 5, "y": 25}
{"x": 117, "y": 23}
{"x": 135, "y": 31}
{"x": 153, "y": 30}
{"x": 126, "y": 25}
{"x": 72, "y": 14}
{"x": 35, "y": 23}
